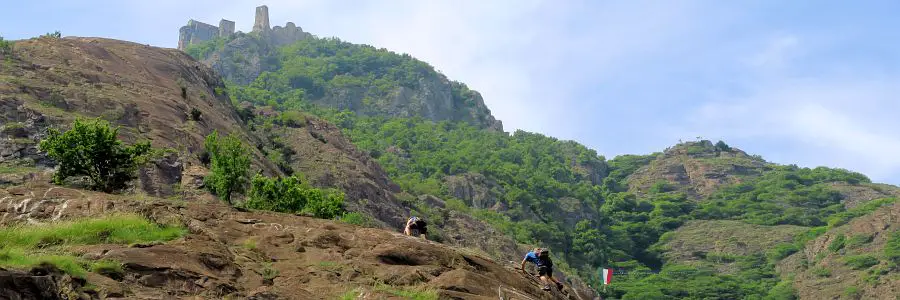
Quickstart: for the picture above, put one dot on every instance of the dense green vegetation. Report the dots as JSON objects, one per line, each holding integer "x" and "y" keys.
{"x": 290, "y": 195}
{"x": 787, "y": 195}
{"x": 92, "y": 149}
{"x": 368, "y": 78}
{"x": 30, "y": 245}
{"x": 544, "y": 191}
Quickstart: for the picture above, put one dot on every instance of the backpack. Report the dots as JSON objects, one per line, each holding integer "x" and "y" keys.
{"x": 418, "y": 222}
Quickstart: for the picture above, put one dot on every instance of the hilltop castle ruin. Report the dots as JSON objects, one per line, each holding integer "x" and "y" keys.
{"x": 197, "y": 32}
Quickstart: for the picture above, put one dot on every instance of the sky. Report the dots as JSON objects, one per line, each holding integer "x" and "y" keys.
{"x": 812, "y": 83}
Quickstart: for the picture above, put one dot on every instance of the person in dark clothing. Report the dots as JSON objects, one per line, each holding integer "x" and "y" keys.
{"x": 541, "y": 258}
{"x": 416, "y": 227}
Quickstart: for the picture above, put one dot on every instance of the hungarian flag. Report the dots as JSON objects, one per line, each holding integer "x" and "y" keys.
{"x": 607, "y": 275}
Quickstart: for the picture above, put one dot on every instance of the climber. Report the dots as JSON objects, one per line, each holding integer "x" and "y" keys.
{"x": 416, "y": 227}
{"x": 541, "y": 258}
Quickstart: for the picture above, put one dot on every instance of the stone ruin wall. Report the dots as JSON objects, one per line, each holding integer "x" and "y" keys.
{"x": 198, "y": 32}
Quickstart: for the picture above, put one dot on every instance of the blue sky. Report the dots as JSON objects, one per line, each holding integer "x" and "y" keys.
{"x": 806, "y": 82}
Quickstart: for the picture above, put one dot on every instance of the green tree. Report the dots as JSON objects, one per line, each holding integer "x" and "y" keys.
{"x": 229, "y": 165}
{"x": 91, "y": 149}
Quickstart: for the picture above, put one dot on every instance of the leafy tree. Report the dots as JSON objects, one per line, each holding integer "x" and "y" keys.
{"x": 230, "y": 165}
{"x": 92, "y": 149}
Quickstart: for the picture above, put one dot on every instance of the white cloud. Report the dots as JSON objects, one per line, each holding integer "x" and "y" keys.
{"x": 836, "y": 118}
{"x": 776, "y": 54}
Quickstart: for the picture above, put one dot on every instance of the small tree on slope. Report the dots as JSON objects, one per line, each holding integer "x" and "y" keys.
{"x": 229, "y": 165}
{"x": 92, "y": 150}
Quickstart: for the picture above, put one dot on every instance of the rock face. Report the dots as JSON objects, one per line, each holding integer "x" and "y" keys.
{"x": 45, "y": 282}
{"x": 473, "y": 188}
{"x": 434, "y": 97}
{"x": 261, "y": 21}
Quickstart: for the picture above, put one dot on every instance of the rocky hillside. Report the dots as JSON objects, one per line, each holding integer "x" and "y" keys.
{"x": 51, "y": 81}
{"x": 227, "y": 254}
{"x": 149, "y": 91}
{"x": 857, "y": 260}
{"x": 696, "y": 168}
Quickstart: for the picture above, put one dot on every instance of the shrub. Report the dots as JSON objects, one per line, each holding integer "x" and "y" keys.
{"x": 230, "y": 163}
{"x": 293, "y": 119}
{"x": 860, "y": 262}
{"x": 92, "y": 150}
{"x": 783, "y": 250}
{"x": 662, "y": 186}
{"x": 290, "y": 195}
{"x": 354, "y": 218}
{"x": 6, "y": 47}
{"x": 837, "y": 244}
{"x": 859, "y": 240}
{"x": 195, "y": 114}
{"x": 822, "y": 272}
{"x": 722, "y": 146}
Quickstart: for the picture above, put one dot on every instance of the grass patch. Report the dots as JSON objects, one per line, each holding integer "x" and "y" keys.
{"x": 350, "y": 295}
{"x": 249, "y": 244}
{"x": 28, "y": 246}
{"x": 113, "y": 229}
{"x": 108, "y": 268}
{"x": 6, "y": 169}
{"x": 18, "y": 258}
{"x": 852, "y": 292}
{"x": 354, "y": 218}
{"x": 414, "y": 293}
